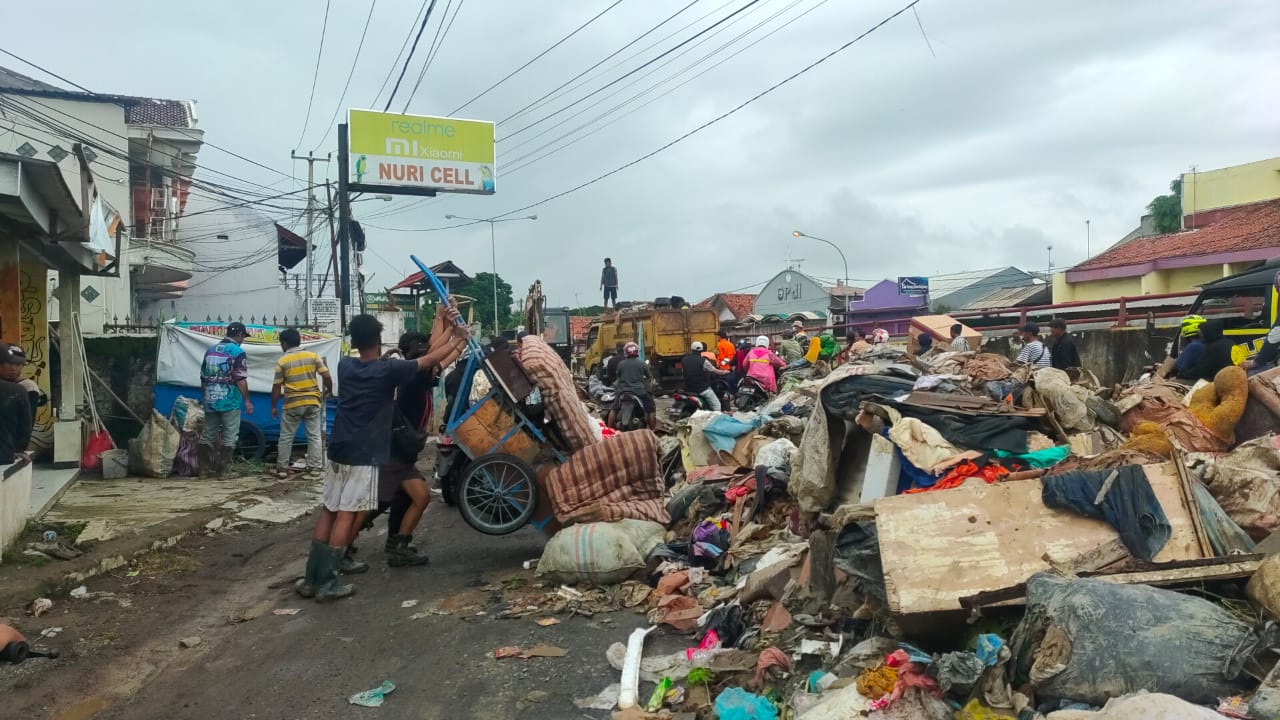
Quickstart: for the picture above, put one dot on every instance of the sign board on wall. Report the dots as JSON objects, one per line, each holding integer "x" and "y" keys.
{"x": 420, "y": 151}
{"x": 324, "y": 314}
{"x": 913, "y": 286}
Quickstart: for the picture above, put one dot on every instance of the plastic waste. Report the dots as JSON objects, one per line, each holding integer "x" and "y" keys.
{"x": 706, "y": 649}
{"x": 659, "y": 693}
{"x": 988, "y": 650}
{"x": 374, "y": 697}
{"x": 738, "y": 704}
{"x": 975, "y": 710}
{"x": 1141, "y": 706}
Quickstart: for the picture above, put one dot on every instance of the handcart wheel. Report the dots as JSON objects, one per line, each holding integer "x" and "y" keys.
{"x": 497, "y": 494}
{"x": 252, "y": 443}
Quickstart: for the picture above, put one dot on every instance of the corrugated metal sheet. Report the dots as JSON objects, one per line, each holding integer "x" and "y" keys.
{"x": 1013, "y": 297}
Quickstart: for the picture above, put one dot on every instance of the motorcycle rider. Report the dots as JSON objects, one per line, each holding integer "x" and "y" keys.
{"x": 698, "y": 371}
{"x": 762, "y": 365}
{"x": 634, "y": 377}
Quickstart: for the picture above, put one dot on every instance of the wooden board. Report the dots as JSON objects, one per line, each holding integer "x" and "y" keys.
{"x": 937, "y": 547}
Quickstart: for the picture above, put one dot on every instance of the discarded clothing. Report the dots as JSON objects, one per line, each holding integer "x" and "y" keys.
{"x": 722, "y": 431}
{"x": 1040, "y": 458}
{"x": 988, "y": 473}
{"x": 611, "y": 480}
{"x": 959, "y": 670}
{"x": 920, "y": 443}
{"x": 877, "y": 682}
{"x": 980, "y": 432}
{"x": 843, "y": 397}
{"x": 1130, "y": 506}
{"x": 985, "y": 367}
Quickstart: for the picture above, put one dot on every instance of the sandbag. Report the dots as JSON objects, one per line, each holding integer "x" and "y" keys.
{"x": 1141, "y": 706}
{"x": 1068, "y": 407}
{"x": 158, "y": 446}
{"x": 601, "y": 553}
{"x": 1066, "y": 646}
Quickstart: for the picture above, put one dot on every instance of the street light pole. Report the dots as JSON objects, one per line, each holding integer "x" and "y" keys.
{"x": 493, "y": 247}
{"x": 797, "y": 233}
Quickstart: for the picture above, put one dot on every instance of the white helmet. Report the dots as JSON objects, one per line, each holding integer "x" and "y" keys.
{"x": 762, "y": 341}
{"x": 697, "y": 346}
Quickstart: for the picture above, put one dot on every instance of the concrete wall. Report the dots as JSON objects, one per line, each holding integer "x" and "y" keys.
{"x": 1156, "y": 282}
{"x": 1116, "y": 355}
{"x": 128, "y": 365}
{"x": 15, "y": 497}
{"x": 1237, "y": 185}
{"x": 113, "y": 294}
{"x": 1094, "y": 290}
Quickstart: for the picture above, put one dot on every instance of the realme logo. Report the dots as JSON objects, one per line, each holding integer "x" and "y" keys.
{"x": 421, "y": 127}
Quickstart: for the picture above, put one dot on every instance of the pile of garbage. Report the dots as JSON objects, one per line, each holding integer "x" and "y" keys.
{"x": 947, "y": 536}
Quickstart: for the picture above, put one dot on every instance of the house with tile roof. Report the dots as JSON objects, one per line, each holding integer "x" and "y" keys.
{"x": 731, "y": 307}
{"x": 1220, "y": 243}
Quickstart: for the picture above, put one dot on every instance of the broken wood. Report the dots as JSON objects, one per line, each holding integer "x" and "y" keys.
{"x": 1103, "y": 556}
{"x": 822, "y": 565}
{"x": 1189, "y": 496}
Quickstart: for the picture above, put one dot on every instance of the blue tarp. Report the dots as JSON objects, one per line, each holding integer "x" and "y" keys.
{"x": 723, "y": 431}
{"x": 166, "y": 395}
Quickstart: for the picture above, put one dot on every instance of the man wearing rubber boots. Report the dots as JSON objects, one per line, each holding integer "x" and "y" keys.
{"x": 224, "y": 378}
{"x": 359, "y": 443}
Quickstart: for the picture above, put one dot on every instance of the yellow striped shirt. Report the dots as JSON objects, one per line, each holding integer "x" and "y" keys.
{"x": 297, "y": 374}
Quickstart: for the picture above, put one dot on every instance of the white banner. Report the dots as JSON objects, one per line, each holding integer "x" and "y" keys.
{"x": 182, "y": 352}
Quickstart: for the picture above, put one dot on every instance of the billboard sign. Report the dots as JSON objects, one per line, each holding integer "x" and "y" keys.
{"x": 420, "y": 151}
{"x": 913, "y": 286}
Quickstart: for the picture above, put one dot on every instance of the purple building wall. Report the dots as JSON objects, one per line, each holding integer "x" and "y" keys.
{"x": 883, "y": 307}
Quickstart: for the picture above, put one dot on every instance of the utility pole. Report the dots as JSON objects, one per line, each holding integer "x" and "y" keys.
{"x": 311, "y": 223}
{"x": 344, "y": 222}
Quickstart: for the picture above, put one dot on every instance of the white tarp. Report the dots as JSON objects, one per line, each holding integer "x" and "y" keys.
{"x": 183, "y": 345}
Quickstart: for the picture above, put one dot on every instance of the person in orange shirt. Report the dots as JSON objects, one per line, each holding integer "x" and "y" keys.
{"x": 725, "y": 351}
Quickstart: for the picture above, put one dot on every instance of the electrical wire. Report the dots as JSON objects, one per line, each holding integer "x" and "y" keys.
{"x": 347, "y": 85}
{"x": 749, "y": 4}
{"x": 315, "y": 76}
{"x": 409, "y": 58}
{"x": 548, "y": 97}
{"x": 432, "y": 50}
{"x": 403, "y": 46}
{"x": 719, "y": 117}
{"x": 537, "y": 57}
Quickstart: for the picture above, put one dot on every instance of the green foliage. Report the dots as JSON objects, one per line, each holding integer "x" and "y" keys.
{"x": 1166, "y": 210}
{"x": 481, "y": 288}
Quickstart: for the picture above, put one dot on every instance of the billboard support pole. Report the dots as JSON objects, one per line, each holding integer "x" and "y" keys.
{"x": 344, "y": 225}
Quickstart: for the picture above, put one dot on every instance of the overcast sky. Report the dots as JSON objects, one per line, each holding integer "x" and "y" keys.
{"x": 1026, "y": 119}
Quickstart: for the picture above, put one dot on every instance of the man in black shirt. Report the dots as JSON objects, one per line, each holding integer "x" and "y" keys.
{"x": 358, "y": 445}
{"x": 15, "y": 414}
{"x": 1062, "y": 352}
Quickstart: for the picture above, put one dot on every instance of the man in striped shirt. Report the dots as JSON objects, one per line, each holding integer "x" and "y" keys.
{"x": 1033, "y": 353}
{"x": 296, "y": 379}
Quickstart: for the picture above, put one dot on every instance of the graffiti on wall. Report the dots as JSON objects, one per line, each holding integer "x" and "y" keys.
{"x": 33, "y": 317}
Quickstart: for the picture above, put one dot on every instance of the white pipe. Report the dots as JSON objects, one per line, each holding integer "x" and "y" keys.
{"x": 629, "y": 695}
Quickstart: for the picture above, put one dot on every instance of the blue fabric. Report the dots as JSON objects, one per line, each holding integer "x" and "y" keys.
{"x": 1189, "y": 355}
{"x": 988, "y": 650}
{"x": 723, "y": 431}
{"x": 1130, "y": 506}
{"x": 910, "y": 476}
{"x": 1040, "y": 458}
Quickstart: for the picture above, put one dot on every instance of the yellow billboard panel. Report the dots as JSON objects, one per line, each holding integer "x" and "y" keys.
{"x": 420, "y": 151}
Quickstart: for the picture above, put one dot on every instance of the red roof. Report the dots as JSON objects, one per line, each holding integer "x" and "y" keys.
{"x": 740, "y": 304}
{"x": 1248, "y": 227}
{"x": 578, "y": 327}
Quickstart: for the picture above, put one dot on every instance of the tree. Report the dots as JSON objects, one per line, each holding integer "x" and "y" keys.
{"x": 481, "y": 288}
{"x": 1166, "y": 210}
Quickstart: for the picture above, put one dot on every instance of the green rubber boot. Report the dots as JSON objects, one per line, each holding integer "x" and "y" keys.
{"x": 306, "y": 587}
{"x": 327, "y": 586}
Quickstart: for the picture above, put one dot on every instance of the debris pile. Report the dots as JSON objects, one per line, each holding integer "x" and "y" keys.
{"x": 943, "y": 536}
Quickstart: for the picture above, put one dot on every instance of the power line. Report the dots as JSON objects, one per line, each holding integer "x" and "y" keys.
{"x": 537, "y": 57}
{"x": 718, "y": 118}
{"x": 315, "y": 75}
{"x": 436, "y": 43}
{"x": 753, "y": 43}
{"x": 540, "y": 101}
{"x": 409, "y": 58}
{"x": 47, "y": 71}
{"x": 399, "y": 54}
{"x": 633, "y": 71}
{"x": 347, "y": 85}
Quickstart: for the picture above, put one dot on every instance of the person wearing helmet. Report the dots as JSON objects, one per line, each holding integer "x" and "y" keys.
{"x": 1269, "y": 354}
{"x": 1216, "y": 354}
{"x": 698, "y": 371}
{"x": 762, "y": 364}
{"x": 634, "y": 377}
{"x": 1193, "y": 345}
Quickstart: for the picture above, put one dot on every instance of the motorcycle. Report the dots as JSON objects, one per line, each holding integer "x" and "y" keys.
{"x": 751, "y": 395}
{"x": 450, "y": 462}
{"x": 630, "y": 413}
{"x": 685, "y": 404}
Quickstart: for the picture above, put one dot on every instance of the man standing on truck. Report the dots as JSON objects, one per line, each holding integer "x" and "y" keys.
{"x": 609, "y": 283}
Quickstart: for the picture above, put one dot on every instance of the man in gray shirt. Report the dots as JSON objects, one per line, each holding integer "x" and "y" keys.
{"x": 609, "y": 282}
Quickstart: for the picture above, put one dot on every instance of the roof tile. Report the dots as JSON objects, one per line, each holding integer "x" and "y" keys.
{"x": 1255, "y": 226}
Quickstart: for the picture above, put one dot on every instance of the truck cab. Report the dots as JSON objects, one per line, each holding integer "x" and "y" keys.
{"x": 1247, "y": 303}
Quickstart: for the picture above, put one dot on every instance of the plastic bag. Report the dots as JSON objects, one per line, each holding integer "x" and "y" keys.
{"x": 99, "y": 442}
{"x": 1070, "y": 409}
{"x": 777, "y": 455}
{"x": 738, "y": 704}
{"x": 1066, "y": 644}
{"x": 602, "y": 553}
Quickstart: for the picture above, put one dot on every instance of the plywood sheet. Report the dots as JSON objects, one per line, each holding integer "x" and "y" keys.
{"x": 937, "y": 547}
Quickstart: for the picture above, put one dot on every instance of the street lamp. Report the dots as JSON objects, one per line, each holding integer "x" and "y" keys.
{"x": 797, "y": 233}
{"x": 493, "y": 245}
